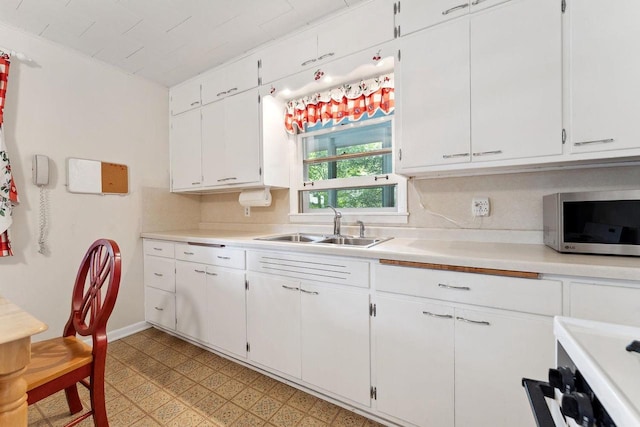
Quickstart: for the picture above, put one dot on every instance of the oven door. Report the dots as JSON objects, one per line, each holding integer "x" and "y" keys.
{"x": 544, "y": 404}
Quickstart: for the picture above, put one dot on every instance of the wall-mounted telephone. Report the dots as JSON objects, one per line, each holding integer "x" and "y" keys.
{"x": 40, "y": 169}
{"x": 40, "y": 176}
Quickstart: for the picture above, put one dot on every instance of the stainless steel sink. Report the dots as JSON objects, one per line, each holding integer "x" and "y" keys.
{"x": 365, "y": 242}
{"x": 294, "y": 238}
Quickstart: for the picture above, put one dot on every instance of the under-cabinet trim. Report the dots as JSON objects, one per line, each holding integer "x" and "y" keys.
{"x": 463, "y": 269}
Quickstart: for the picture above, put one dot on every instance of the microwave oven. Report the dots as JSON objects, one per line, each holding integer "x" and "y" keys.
{"x": 602, "y": 222}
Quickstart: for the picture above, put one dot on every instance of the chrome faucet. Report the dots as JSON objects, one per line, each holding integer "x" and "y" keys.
{"x": 336, "y": 221}
{"x": 361, "y": 224}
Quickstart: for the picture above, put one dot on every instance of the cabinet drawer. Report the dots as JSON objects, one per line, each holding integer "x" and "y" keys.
{"x": 605, "y": 303}
{"x": 158, "y": 248}
{"x": 160, "y": 307}
{"x": 527, "y": 295}
{"x": 343, "y": 271}
{"x": 160, "y": 273}
{"x": 213, "y": 255}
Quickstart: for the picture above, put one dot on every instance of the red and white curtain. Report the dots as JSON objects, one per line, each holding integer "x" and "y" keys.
{"x": 8, "y": 192}
{"x": 350, "y": 102}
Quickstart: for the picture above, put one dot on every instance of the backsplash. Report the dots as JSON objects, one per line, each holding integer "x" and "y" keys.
{"x": 516, "y": 199}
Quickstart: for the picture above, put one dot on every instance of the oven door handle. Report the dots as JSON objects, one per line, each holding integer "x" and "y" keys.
{"x": 536, "y": 392}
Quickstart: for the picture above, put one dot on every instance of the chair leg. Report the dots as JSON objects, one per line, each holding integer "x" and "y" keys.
{"x": 98, "y": 405}
{"x": 73, "y": 399}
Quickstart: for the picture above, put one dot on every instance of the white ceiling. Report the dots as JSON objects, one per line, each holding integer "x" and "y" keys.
{"x": 166, "y": 41}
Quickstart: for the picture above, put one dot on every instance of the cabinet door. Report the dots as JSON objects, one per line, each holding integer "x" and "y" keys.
{"x": 273, "y": 322}
{"x": 227, "y": 309}
{"x": 242, "y": 74}
{"x": 433, "y": 112}
{"x": 186, "y": 169}
{"x": 414, "y": 343}
{"x": 478, "y": 5}
{"x": 160, "y": 307}
{"x": 605, "y": 303}
{"x": 335, "y": 340}
{"x": 494, "y": 351}
{"x": 242, "y": 138}
{"x": 516, "y": 80}
{"x": 417, "y": 14}
{"x": 288, "y": 56}
{"x": 184, "y": 97}
{"x": 191, "y": 300}
{"x": 603, "y": 74}
{"x": 214, "y": 85}
{"x": 214, "y": 167}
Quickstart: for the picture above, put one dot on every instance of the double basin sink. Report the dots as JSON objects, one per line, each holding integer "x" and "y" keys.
{"x": 362, "y": 242}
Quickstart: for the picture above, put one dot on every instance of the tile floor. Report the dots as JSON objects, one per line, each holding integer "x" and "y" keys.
{"x": 155, "y": 379}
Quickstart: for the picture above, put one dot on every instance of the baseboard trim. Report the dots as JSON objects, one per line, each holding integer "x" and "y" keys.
{"x": 127, "y": 330}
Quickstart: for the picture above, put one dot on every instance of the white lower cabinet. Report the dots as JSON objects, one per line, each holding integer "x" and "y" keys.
{"x": 273, "y": 322}
{"x": 414, "y": 353}
{"x": 335, "y": 340}
{"x": 595, "y": 300}
{"x": 227, "y": 310}
{"x": 160, "y": 307}
{"x": 191, "y": 300}
{"x": 443, "y": 363}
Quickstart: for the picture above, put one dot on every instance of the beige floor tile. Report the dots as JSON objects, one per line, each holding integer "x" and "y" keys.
{"x": 170, "y": 357}
{"x": 215, "y": 380}
{"x": 167, "y": 378}
{"x": 230, "y": 389}
{"x": 247, "y": 397}
{"x": 127, "y": 418}
{"x": 347, "y": 418}
{"x": 194, "y": 394}
{"x": 210, "y": 404}
{"x": 247, "y": 375}
{"x": 168, "y": 411}
{"x": 118, "y": 405}
{"x": 144, "y": 422}
{"x": 312, "y": 422}
{"x": 201, "y": 373}
{"x": 142, "y": 392}
{"x": 188, "y": 418}
{"x": 324, "y": 411}
{"x": 265, "y": 407}
{"x": 119, "y": 375}
{"x": 282, "y": 392}
{"x": 287, "y": 416}
{"x": 227, "y": 414}
{"x": 154, "y": 401}
{"x": 302, "y": 401}
{"x": 249, "y": 420}
{"x": 264, "y": 383}
{"x": 133, "y": 381}
{"x": 188, "y": 366}
{"x": 180, "y": 385}
{"x": 154, "y": 348}
{"x": 231, "y": 369}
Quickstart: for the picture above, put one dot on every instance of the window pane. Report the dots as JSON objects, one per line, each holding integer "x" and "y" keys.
{"x": 383, "y": 196}
{"x": 354, "y": 151}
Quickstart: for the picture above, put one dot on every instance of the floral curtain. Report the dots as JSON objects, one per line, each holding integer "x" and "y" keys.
{"x": 349, "y": 102}
{"x": 8, "y": 192}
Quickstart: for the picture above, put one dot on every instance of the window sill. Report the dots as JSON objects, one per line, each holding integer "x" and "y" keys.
{"x": 351, "y": 217}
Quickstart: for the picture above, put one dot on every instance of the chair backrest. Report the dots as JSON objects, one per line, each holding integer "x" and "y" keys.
{"x": 95, "y": 290}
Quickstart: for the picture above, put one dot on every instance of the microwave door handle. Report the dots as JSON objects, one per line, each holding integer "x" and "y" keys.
{"x": 536, "y": 393}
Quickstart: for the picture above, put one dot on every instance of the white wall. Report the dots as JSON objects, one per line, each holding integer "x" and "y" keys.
{"x": 69, "y": 105}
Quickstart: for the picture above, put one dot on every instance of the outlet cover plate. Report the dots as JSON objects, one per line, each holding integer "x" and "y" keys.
{"x": 480, "y": 206}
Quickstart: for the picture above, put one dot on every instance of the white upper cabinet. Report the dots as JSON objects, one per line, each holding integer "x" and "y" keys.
{"x": 603, "y": 75}
{"x": 414, "y": 15}
{"x": 516, "y": 81}
{"x": 433, "y": 112}
{"x": 230, "y": 79}
{"x": 186, "y": 167}
{"x": 184, "y": 97}
{"x": 360, "y": 27}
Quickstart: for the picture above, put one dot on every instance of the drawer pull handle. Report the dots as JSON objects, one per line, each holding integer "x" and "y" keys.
{"x": 195, "y": 103}
{"x": 188, "y": 253}
{"x": 457, "y": 288}
{"x": 290, "y": 288}
{"x": 157, "y": 249}
{"x": 224, "y": 257}
{"x": 227, "y": 179}
{"x": 475, "y": 322}
{"x": 233, "y": 89}
{"x": 454, "y": 156}
{"x": 212, "y": 274}
{"x": 477, "y": 2}
{"x": 159, "y": 309}
{"x": 597, "y": 141}
{"x": 326, "y": 55}
{"x": 453, "y": 9}
{"x": 308, "y": 61}
{"x": 198, "y": 271}
{"x": 221, "y": 93}
{"x": 159, "y": 274}
{"x": 487, "y": 153}
{"x": 439, "y": 316}
{"x": 309, "y": 292}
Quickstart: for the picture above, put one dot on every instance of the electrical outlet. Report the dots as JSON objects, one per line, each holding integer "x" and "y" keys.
{"x": 247, "y": 211}
{"x": 480, "y": 206}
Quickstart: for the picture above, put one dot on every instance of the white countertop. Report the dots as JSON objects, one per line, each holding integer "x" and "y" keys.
{"x": 598, "y": 351}
{"x": 503, "y": 256}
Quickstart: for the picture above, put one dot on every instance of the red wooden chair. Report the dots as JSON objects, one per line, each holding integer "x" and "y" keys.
{"x": 60, "y": 363}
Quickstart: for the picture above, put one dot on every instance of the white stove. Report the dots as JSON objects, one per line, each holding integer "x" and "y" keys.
{"x": 597, "y": 380}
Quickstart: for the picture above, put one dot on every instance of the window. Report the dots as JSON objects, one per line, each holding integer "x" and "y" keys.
{"x": 349, "y": 167}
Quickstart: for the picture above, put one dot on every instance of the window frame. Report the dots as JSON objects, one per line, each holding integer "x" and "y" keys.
{"x": 399, "y": 215}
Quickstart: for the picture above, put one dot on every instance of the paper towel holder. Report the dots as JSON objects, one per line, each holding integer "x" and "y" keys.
{"x": 255, "y": 198}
